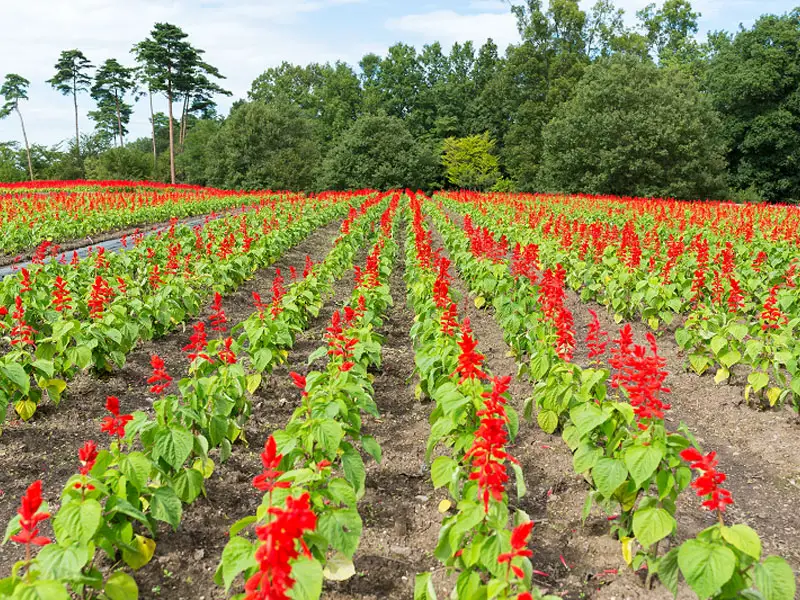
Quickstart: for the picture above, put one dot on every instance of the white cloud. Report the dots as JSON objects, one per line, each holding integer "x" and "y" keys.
{"x": 448, "y": 26}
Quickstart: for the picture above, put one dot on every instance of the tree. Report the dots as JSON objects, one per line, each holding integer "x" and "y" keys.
{"x": 263, "y": 146}
{"x": 168, "y": 63}
{"x": 669, "y": 30}
{"x": 469, "y": 162}
{"x": 14, "y": 89}
{"x": 635, "y": 129}
{"x": 754, "y": 81}
{"x": 71, "y": 77}
{"x": 377, "y": 152}
{"x": 10, "y": 168}
{"x": 195, "y": 158}
{"x": 112, "y": 83}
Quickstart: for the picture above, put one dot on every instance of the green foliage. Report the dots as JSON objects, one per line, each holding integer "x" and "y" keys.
{"x": 194, "y": 158}
{"x": 470, "y": 163}
{"x": 263, "y": 146}
{"x": 120, "y": 163}
{"x": 377, "y": 152}
{"x": 633, "y": 128}
{"x": 112, "y": 84}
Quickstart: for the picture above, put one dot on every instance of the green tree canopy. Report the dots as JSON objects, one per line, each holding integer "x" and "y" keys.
{"x": 71, "y": 78}
{"x": 635, "y": 129}
{"x": 470, "y": 163}
{"x": 14, "y": 89}
{"x": 112, "y": 84}
{"x": 377, "y": 152}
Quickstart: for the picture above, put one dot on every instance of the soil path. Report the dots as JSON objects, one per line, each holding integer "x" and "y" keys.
{"x": 46, "y": 447}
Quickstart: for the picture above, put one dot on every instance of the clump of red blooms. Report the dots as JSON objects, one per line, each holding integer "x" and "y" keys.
{"x": 309, "y": 266}
{"x": 300, "y": 382}
{"x": 198, "y": 342}
{"x": 101, "y": 294}
{"x": 339, "y": 344}
{"x": 772, "y": 317}
{"x": 487, "y": 454}
{"x": 708, "y": 484}
{"x": 524, "y": 260}
{"x": 226, "y": 355}
{"x": 87, "y": 456}
{"x": 115, "y": 424}
{"x": 278, "y": 292}
{"x": 552, "y": 298}
{"x": 642, "y": 376}
{"x": 483, "y": 244}
{"x": 30, "y": 517}
{"x": 260, "y": 306}
{"x": 281, "y": 536}
{"x": 596, "y": 339}
{"x": 155, "y": 278}
{"x": 448, "y": 321}
{"x": 160, "y": 379}
{"x": 630, "y": 250}
{"x": 736, "y": 297}
{"x": 25, "y": 283}
{"x": 519, "y": 548}
{"x": 441, "y": 287}
{"x": 218, "y": 318}
{"x": 21, "y": 332}
{"x": 61, "y": 297}
{"x": 469, "y": 361}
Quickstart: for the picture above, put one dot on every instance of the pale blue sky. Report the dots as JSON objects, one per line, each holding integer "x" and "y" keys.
{"x": 243, "y": 37}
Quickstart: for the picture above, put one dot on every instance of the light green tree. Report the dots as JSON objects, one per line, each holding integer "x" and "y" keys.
{"x": 470, "y": 162}
{"x": 71, "y": 78}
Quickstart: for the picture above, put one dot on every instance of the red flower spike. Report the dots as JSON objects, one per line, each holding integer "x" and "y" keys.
{"x": 268, "y": 479}
{"x": 596, "y": 339}
{"x": 707, "y": 485}
{"x": 115, "y": 424}
{"x": 30, "y": 517}
{"x": 87, "y": 455}
{"x": 218, "y": 318}
{"x": 469, "y": 361}
{"x": 227, "y": 355}
{"x": 160, "y": 379}
{"x": 300, "y": 382}
{"x": 198, "y": 343}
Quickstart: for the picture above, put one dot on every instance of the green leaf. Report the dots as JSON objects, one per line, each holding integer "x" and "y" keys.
{"x": 121, "y": 586}
{"x": 651, "y": 525}
{"x": 519, "y": 477}
{"x": 237, "y": 557}
{"x": 758, "y": 379}
{"x": 718, "y": 342}
{"x": 442, "y": 471}
{"x": 166, "y": 506}
{"x": 371, "y": 447}
{"x": 642, "y": 461}
{"x": 188, "y": 485}
{"x": 78, "y": 520}
{"x": 744, "y": 539}
{"x": 423, "y": 587}
{"x": 144, "y": 550}
{"x": 41, "y": 590}
{"x": 587, "y": 416}
{"x": 60, "y": 561}
{"x": 730, "y": 358}
{"x": 342, "y": 528}
{"x": 354, "y": 470}
{"x": 775, "y": 580}
{"x": 706, "y": 567}
{"x": 548, "y": 420}
{"x": 17, "y": 375}
{"x": 608, "y": 475}
{"x": 307, "y": 575}
{"x": 668, "y": 571}
{"x": 585, "y": 457}
{"x": 329, "y": 434}
{"x": 174, "y": 445}
{"x": 136, "y": 467}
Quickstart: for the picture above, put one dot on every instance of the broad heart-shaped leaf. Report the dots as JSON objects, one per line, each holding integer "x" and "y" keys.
{"x": 642, "y": 462}
{"x": 136, "y": 467}
{"x": 237, "y": 557}
{"x": 758, "y": 380}
{"x": 78, "y": 520}
{"x": 173, "y": 444}
{"x": 307, "y": 575}
{"x": 668, "y": 571}
{"x": 775, "y": 580}
{"x": 548, "y": 420}
{"x": 60, "y": 561}
{"x": 608, "y": 474}
{"x": 342, "y": 528}
{"x": 41, "y": 590}
{"x": 442, "y": 471}
{"x": 651, "y": 525}
{"x": 354, "y": 470}
{"x": 329, "y": 434}
{"x": 730, "y": 358}
{"x": 188, "y": 485}
{"x": 121, "y": 586}
{"x": 585, "y": 457}
{"x": 145, "y": 548}
{"x": 166, "y": 506}
{"x": 25, "y": 409}
{"x": 744, "y": 539}
{"x": 338, "y": 568}
{"x": 706, "y": 567}
{"x": 17, "y": 375}
{"x": 587, "y": 416}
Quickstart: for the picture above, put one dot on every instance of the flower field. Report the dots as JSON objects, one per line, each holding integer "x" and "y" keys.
{"x": 393, "y": 395}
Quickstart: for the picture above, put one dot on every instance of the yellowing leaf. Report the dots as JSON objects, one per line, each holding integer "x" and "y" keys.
{"x": 25, "y": 409}
{"x": 722, "y": 375}
{"x": 253, "y": 381}
{"x": 627, "y": 549}
{"x": 339, "y": 568}
{"x": 480, "y": 302}
{"x": 444, "y": 506}
{"x": 205, "y": 466}
{"x": 145, "y": 549}
{"x": 653, "y": 323}
{"x": 773, "y": 395}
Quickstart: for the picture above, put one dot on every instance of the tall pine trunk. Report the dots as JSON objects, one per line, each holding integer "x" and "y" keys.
{"x": 171, "y": 130}
{"x": 153, "y": 127}
{"x": 27, "y": 147}
{"x": 119, "y": 119}
{"x": 77, "y": 131}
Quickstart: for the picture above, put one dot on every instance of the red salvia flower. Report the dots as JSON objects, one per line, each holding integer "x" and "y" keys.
{"x": 260, "y": 306}
{"x": 300, "y": 382}
{"x": 25, "y": 283}
{"x": 227, "y": 355}
{"x": 280, "y": 537}
{"x": 101, "y": 294}
{"x": 735, "y": 298}
{"x": 293, "y": 273}
{"x": 198, "y": 343}
{"x": 160, "y": 379}
{"x": 87, "y": 455}
{"x": 309, "y": 267}
{"x": 30, "y": 517}
{"x": 708, "y": 484}
{"x": 643, "y": 377}
{"x": 772, "y": 317}
{"x": 469, "y": 361}
{"x": 449, "y": 323}
{"x": 621, "y": 349}
{"x": 155, "y": 278}
{"x": 218, "y": 318}
{"x": 519, "y": 548}
{"x": 596, "y": 339}
{"x": 278, "y": 292}
{"x": 61, "y": 297}
{"x": 21, "y": 332}
{"x": 115, "y": 424}
{"x": 268, "y": 479}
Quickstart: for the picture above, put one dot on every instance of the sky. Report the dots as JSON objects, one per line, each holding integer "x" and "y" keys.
{"x": 244, "y": 37}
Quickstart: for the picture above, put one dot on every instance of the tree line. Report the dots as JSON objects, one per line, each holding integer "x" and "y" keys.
{"x": 581, "y": 103}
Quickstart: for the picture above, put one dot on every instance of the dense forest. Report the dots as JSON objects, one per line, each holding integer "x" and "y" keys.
{"x": 582, "y": 103}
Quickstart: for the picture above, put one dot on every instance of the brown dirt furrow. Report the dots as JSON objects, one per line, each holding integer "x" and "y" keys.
{"x": 46, "y": 447}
